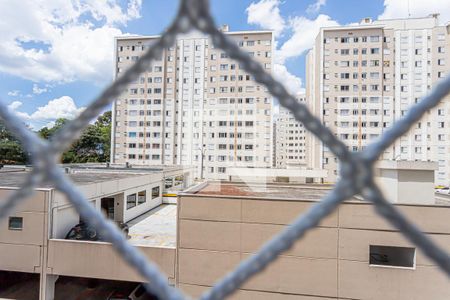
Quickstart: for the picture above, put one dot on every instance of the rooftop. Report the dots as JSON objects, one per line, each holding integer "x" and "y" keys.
{"x": 17, "y": 178}
{"x": 156, "y": 228}
{"x": 83, "y": 174}
{"x": 275, "y": 191}
{"x": 310, "y": 192}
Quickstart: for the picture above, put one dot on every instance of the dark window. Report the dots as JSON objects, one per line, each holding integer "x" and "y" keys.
{"x": 142, "y": 197}
{"x": 15, "y": 223}
{"x": 392, "y": 256}
{"x": 155, "y": 192}
{"x": 131, "y": 201}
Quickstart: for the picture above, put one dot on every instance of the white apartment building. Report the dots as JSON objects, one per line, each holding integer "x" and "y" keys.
{"x": 362, "y": 78}
{"x": 290, "y": 140}
{"x": 194, "y": 106}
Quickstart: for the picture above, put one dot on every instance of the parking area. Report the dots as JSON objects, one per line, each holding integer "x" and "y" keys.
{"x": 74, "y": 288}
{"x": 19, "y": 286}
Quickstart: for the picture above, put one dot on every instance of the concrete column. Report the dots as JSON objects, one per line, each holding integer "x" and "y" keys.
{"x": 47, "y": 287}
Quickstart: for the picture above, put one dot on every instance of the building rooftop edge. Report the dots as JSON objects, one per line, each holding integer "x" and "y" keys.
{"x": 378, "y": 23}
{"x": 135, "y": 37}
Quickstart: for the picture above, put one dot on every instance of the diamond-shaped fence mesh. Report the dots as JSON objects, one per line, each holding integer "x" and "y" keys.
{"x": 356, "y": 175}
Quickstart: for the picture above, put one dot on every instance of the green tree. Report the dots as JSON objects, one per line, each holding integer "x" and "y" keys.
{"x": 46, "y": 132}
{"x": 11, "y": 151}
{"x": 103, "y": 124}
{"x": 93, "y": 144}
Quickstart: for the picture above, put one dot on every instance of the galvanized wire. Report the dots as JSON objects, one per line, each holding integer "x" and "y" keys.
{"x": 355, "y": 168}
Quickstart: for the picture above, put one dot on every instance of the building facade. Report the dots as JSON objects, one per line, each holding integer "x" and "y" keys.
{"x": 290, "y": 139}
{"x": 362, "y": 78}
{"x": 194, "y": 106}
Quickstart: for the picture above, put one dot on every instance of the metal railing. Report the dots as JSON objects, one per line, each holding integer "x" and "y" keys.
{"x": 356, "y": 168}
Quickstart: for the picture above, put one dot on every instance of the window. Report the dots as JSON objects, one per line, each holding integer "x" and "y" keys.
{"x": 155, "y": 192}
{"x": 15, "y": 223}
{"x": 131, "y": 201}
{"x": 391, "y": 256}
{"x": 142, "y": 197}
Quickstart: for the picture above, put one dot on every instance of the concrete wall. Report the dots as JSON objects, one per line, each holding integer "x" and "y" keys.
{"x": 138, "y": 210}
{"x": 64, "y": 215}
{"x": 100, "y": 260}
{"x": 407, "y": 181}
{"x": 330, "y": 262}
{"x": 21, "y": 250}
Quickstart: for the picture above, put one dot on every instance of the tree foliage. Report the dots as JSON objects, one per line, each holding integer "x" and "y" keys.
{"x": 92, "y": 146}
{"x": 11, "y": 151}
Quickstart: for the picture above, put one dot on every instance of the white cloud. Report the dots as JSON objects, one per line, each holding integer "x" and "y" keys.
{"x": 57, "y": 41}
{"x": 14, "y": 93}
{"x": 63, "y": 107}
{"x": 37, "y": 90}
{"x": 15, "y": 105}
{"x": 416, "y": 8}
{"x": 266, "y": 14}
{"x": 291, "y": 82}
{"x": 134, "y": 9}
{"x": 304, "y": 35}
{"x": 50, "y": 124}
{"x": 315, "y": 7}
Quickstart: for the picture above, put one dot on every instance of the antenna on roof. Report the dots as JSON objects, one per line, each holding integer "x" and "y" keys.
{"x": 409, "y": 12}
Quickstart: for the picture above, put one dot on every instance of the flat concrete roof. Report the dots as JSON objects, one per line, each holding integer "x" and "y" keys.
{"x": 155, "y": 228}
{"x": 17, "y": 178}
{"x": 309, "y": 192}
{"x": 280, "y": 191}
{"x": 84, "y": 174}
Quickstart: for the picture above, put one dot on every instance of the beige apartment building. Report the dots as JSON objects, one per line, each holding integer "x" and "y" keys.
{"x": 290, "y": 148}
{"x": 194, "y": 106}
{"x": 362, "y": 78}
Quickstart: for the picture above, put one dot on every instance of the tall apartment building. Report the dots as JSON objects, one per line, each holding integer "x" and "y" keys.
{"x": 194, "y": 106}
{"x": 290, "y": 141}
{"x": 362, "y": 78}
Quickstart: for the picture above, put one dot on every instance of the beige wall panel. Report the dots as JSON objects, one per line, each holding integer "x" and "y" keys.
{"x": 363, "y": 216}
{"x": 359, "y": 280}
{"x": 210, "y": 208}
{"x": 256, "y": 295}
{"x": 31, "y": 234}
{"x": 221, "y": 236}
{"x": 298, "y": 276}
{"x": 279, "y": 212}
{"x": 204, "y": 267}
{"x": 354, "y": 244}
{"x": 99, "y": 260}
{"x": 35, "y": 203}
{"x": 317, "y": 243}
{"x": 195, "y": 291}
{"x": 20, "y": 258}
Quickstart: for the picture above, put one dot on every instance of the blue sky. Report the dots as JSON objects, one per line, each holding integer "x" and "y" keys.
{"x": 56, "y": 55}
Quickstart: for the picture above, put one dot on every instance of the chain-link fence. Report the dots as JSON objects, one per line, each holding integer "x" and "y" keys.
{"x": 356, "y": 168}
